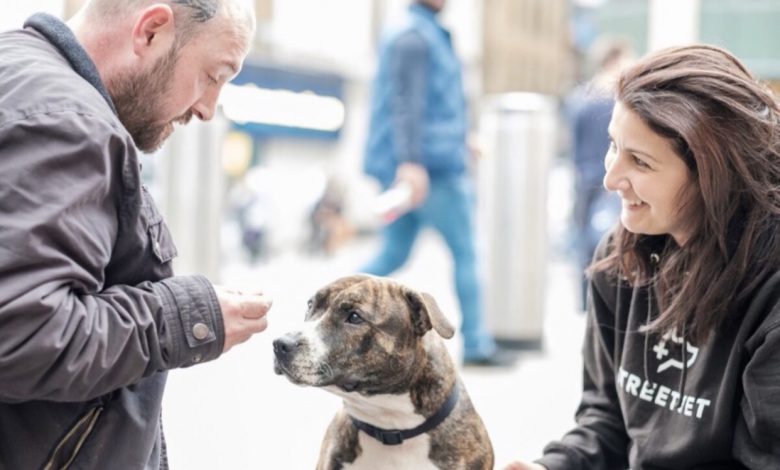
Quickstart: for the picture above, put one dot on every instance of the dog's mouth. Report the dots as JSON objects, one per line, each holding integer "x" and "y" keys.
{"x": 279, "y": 368}
{"x": 349, "y": 386}
{"x": 319, "y": 375}
{"x": 294, "y": 360}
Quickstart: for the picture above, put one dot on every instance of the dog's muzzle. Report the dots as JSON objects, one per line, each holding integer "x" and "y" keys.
{"x": 285, "y": 349}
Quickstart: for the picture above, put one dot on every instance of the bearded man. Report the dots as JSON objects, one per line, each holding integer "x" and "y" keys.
{"x": 91, "y": 315}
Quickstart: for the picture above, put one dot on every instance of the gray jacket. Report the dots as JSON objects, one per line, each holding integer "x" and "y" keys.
{"x": 90, "y": 317}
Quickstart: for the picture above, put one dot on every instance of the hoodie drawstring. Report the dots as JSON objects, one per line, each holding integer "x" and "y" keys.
{"x": 684, "y": 354}
{"x": 647, "y": 335}
{"x": 654, "y": 259}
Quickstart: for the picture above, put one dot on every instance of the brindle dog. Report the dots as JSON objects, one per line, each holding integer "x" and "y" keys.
{"x": 378, "y": 345}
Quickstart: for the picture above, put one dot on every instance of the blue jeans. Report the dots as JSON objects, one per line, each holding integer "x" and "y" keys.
{"x": 449, "y": 210}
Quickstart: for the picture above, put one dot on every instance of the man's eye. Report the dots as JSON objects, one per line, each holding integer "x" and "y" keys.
{"x": 354, "y": 318}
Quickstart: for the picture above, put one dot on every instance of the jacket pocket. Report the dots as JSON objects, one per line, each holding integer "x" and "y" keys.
{"x": 69, "y": 446}
{"x": 160, "y": 238}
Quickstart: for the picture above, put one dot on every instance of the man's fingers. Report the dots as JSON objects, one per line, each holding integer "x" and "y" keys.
{"x": 253, "y": 307}
{"x": 244, "y": 314}
{"x": 260, "y": 324}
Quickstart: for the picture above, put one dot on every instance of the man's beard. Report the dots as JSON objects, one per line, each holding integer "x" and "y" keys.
{"x": 139, "y": 98}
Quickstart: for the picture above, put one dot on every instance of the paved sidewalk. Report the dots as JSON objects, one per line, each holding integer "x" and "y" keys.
{"x": 236, "y": 414}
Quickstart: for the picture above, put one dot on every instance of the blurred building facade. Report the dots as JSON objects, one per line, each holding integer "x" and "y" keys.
{"x": 303, "y": 95}
{"x": 746, "y": 28}
{"x": 526, "y": 46}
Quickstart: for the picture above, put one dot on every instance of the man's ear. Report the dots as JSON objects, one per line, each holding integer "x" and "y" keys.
{"x": 154, "y": 30}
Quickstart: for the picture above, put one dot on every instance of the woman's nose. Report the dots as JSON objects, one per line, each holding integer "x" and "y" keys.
{"x": 614, "y": 179}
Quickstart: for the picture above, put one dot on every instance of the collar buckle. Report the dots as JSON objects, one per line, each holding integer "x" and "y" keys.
{"x": 390, "y": 438}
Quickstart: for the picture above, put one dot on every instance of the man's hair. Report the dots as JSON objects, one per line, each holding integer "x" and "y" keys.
{"x": 725, "y": 125}
{"x": 190, "y": 15}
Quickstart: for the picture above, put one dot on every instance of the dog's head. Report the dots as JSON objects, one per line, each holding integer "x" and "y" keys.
{"x": 362, "y": 333}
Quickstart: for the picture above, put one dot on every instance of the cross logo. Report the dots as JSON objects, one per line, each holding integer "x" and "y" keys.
{"x": 661, "y": 351}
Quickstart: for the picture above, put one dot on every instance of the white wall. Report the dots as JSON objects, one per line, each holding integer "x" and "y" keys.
{"x": 14, "y": 13}
{"x": 672, "y": 23}
{"x": 324, "y": 34}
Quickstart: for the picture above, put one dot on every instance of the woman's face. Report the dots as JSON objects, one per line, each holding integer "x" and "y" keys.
{"x": 648, "y": 175}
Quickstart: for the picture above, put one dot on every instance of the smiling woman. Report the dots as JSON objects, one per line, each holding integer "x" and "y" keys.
{"x": 647, "y": 174}
{"x": 682, "y": 349}
{"x": 709, "y": 132}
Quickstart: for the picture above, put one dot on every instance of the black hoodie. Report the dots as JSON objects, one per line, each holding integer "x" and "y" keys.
{"x": 654, "y": 402}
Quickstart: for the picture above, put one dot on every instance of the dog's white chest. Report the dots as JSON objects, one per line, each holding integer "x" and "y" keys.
{"x": 412, "y": 454}
{"x": 389, "y": 412}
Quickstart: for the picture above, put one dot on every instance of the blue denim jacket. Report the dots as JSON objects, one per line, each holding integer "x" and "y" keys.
{"x": 418, "y": 111}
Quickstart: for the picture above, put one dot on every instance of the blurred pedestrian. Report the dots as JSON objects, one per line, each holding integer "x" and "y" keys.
{"x": 595, "y": 209}
{"x": 91, "y": 316}
{"x": 418, "y": 140}
{"x": 329, "y": 228}
{"x": 682, "y": 346}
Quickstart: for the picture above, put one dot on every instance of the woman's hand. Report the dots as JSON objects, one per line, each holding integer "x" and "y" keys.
{"x": 524, "y": 466}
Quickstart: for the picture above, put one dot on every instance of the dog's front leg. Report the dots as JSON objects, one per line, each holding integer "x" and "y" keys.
{"x": 340, "y": 445}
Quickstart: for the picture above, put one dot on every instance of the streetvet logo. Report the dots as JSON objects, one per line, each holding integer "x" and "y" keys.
{"x": 662, "y": 350}
{"x": 670, "y": 351}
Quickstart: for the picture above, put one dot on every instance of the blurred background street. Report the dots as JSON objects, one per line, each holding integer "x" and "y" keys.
{"x": 270, "y": 195}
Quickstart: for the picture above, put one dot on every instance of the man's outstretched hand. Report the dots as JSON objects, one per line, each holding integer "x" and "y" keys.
{"x": 243, "y": 314}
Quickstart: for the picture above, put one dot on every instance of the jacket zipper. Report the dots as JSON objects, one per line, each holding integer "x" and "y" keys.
{"x": 87, "y": 420}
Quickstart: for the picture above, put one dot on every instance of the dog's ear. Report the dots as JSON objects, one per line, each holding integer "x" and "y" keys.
{"x": 426, "y": 314}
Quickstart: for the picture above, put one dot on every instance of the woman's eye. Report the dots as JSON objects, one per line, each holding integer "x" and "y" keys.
{"x": 354, "y": 318}
{"x": 640, "y": 162}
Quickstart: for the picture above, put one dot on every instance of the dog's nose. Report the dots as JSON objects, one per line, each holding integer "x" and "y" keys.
{"x": 285, "y": 345}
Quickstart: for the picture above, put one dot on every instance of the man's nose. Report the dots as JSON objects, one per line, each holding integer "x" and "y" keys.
{"x": 206, "y": 107}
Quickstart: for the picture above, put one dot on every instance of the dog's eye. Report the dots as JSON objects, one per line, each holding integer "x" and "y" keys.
{"x": 354, "y": 318}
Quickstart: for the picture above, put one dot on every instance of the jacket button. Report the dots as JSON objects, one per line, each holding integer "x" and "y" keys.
{"x": 200, "y": 331}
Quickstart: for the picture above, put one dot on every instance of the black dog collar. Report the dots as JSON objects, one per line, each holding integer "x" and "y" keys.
{"x": 392, "y": 437}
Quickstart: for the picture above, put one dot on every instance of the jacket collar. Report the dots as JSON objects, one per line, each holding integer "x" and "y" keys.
{"x": 58, "y": 33}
